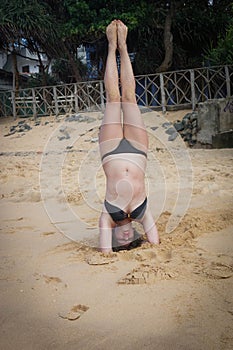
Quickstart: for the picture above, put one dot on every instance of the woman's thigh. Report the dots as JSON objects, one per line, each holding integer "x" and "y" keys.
{"x": 111, "y": 129}
{"x": 133, "y": 126}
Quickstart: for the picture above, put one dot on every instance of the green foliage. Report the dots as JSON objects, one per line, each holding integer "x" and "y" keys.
{"x": 29, "y": 20}
{"x": 58, "y": 27}
{"x": 223, "y": 52}
{"x": 197, "y": 25}
{"x": 62, "y": 70}
{"x": 38, "y": 79}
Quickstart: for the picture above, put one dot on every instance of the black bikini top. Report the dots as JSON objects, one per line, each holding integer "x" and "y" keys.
{"x": 118, "y": 214}
{"x": 124, "y": 147}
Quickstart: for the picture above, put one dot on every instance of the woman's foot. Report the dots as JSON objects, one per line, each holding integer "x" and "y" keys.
{"x": 111, "y": 32}
{"x": 122, "y": 32}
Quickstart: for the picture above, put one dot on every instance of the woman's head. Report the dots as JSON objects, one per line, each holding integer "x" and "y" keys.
{"x": 124, "y": 236}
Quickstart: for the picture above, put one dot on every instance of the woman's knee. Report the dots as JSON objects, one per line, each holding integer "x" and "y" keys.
{"x": 128, "y": 97}
{"x": 113, "y": 96}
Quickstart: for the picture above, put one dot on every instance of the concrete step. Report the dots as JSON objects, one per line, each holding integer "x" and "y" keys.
{"x": 223, "y": 140}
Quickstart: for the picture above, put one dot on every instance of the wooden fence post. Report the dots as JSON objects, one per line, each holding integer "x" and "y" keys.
{"x": 13, "y": 104}
{"x": 34, "y": 104}
{"x": 163, "y": 96}
{"x": 102, "y": 95}
{"x": 192, "y": 83}
{"x": 228, "y": 82}
{"x": 75, "y": 98}
{"x": 88, "y": 97}
{"x": 146, "y": 91}
{"x": 55, "y": 100}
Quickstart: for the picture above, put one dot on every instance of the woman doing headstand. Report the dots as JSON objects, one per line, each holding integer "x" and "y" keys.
{"x": 123, "y": 148}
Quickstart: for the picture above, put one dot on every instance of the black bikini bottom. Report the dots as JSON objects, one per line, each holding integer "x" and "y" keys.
{"x": 118, "y": 214}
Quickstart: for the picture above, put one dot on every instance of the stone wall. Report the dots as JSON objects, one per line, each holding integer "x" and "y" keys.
{"x": 210, "y": 126}
{"x": 214, "y": 117}
{"x": 226, "y": 114}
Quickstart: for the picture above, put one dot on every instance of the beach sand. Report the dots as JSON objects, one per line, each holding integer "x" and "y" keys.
{"x": 58, "y": 291}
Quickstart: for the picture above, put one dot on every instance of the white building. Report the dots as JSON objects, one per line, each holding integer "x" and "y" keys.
{"x": 27, "y": 62}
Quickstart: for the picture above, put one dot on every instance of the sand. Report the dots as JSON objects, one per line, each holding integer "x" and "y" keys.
{"x": 58, "y": 291}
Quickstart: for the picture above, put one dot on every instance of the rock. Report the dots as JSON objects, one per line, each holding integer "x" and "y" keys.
{"x": 194, "y": 131}
{"x": 62, "y": 128}
{"x": 154, "y": 127}
{"x": 186, "y": 120}
{"x": 170, "y": 131}
{"x": 182, "y": 133}
{"x": 94, "y": 139}
{"x": 193, "y": 116}
{"x": 173, "y": 136}
{"x": 74, "y": 117}
{"x": 194, "y": 138}
{"x": 179, "y": 126}
{"x": 90, "y": 120}
{"x": 194, "y": 123}
{"x": 79, "y": 118}
{"x": 21, "y": 122}
{"x": 21, "y": 128}
{"x": 187, "y": 116}
{"x": 166, "y": 125}
{"x": 186, "y": 123}
{"x": 65, "y": 137}
{"x": 27, "y": 127}
{"x": 188, "y": 128}
{"x": 12, "y": 128}
{"x": 187, "y": 137}
{"x": 188, "y": 131}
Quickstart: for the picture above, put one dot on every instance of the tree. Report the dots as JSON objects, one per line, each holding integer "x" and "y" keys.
{"x": 222, "y": 52}
{"x": 197, "y": 25}
{"x": 168, "y": 40}
{"x": 28, "y": 20}
{"x": 163, "y": 34}
{"x": 63, "y": 70}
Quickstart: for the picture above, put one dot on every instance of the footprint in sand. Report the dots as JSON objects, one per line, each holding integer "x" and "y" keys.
{"x": 217, "y": 270}
{"x": 51, "y": 280}
{"x": 147, "y": 274}
{"x": 75, "y": 312}
{"x": 101, "y": 259}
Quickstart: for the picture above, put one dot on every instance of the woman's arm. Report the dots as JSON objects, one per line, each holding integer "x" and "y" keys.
{"x": 150, "y": 227}
{"x": 105, "y": 228}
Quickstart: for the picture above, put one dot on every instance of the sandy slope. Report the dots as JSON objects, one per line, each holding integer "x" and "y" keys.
{"x": 57, "y": 293}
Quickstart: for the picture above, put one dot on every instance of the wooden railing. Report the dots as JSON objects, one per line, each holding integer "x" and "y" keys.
{"x": 184, "y": 88}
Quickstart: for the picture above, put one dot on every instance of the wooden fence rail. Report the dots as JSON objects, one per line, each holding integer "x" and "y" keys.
{"x": 184, "y": 88}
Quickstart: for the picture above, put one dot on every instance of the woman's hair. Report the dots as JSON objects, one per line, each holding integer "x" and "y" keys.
{"x": 136, "y": 242}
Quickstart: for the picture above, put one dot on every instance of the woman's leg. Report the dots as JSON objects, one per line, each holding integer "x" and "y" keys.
{"x": 111, "y": 129}
{"x": 133, "y": 126}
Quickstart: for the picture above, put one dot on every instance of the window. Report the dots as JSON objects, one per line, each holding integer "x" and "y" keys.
{"x": 25, "y": 69}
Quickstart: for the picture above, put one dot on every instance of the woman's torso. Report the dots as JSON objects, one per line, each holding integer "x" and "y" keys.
{"x": 125, "y": 179}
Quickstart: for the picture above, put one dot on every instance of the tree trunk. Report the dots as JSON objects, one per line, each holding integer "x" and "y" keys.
{"x": 16, "y": 72}
{"x": 42, "y": 69}
{"x": 168, "y": 41}
{"x": 73, "y": 65}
